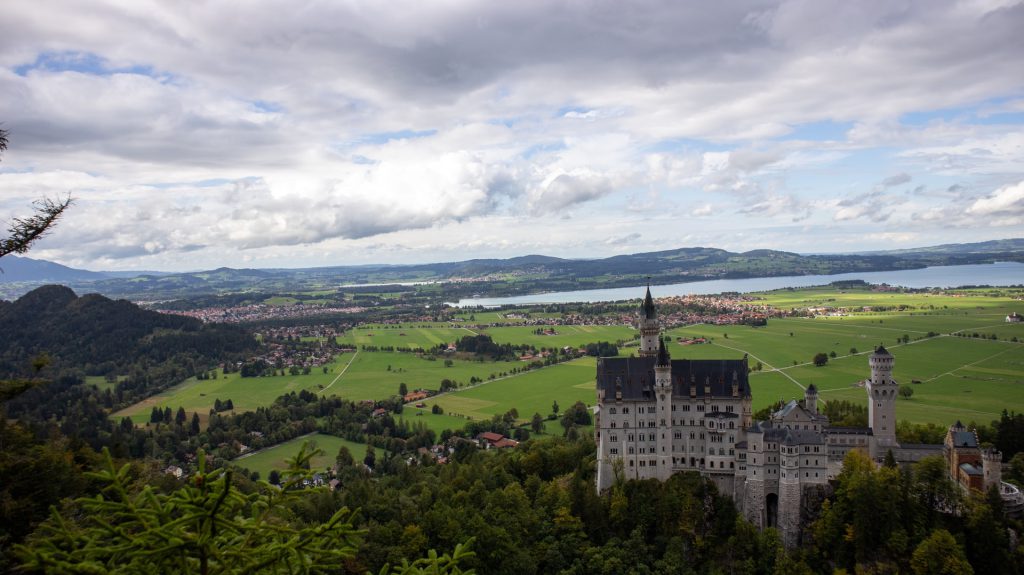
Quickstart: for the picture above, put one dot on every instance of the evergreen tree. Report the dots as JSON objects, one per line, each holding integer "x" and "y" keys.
{"x": 180, "y": 418}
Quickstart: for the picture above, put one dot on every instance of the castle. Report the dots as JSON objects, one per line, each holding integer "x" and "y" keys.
{"x": 657, "y": 416}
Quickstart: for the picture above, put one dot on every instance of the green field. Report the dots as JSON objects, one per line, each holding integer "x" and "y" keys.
{"x": 566, "y": 335}
{"x": 246, "y": 393}
{"x": 357, "y": 376}
{"x": 368, "y": 377}
{"x": 531, "y": 392}
{"x": 963, "y": 378}
{"x": 275, "y": 457}
{"x": 411, "y": 336}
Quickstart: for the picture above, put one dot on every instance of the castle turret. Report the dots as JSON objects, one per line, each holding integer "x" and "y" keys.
{"x": 647, "y": 323}
{"x": 663, "y": 395}
{"x": 811, "y": 399}
{"x": 882, "y": 389}
{"x": 992, "y": 468}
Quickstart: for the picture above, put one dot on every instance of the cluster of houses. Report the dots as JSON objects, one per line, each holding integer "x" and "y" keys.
{"x": 282, "y": 356}
{"x": 260, "y": 312}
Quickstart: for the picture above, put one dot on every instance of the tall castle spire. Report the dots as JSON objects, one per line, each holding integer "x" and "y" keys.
{"x": 647, "y": 323}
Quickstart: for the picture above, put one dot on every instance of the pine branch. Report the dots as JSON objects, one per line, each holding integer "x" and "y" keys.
{"x": 23, "y": 232}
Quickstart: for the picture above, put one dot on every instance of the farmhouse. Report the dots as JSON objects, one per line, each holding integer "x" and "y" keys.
{"x": 1014, "y": 318}
{"x": 657, "y": 416}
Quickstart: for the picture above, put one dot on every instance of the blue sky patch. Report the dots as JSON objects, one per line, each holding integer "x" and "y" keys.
{"x": 83, "y": 63}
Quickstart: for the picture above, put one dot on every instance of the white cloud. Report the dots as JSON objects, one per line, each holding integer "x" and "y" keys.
{"x": 332, "y": 124}
{"x": 1006, "y": 200}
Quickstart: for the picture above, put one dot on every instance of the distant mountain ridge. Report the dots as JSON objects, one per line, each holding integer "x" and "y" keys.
{"x": 21, "y": 269}
{"x": 532, "y": 273}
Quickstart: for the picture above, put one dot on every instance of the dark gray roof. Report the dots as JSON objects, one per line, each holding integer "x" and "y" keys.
{"x": 922, "y": 446}
{"x": 849, "y": 430}
{"x": 803, "y": 437}
{"x": 880, "y": 350}
{"x": 964, "y": 439}
{"x": 647, "y": 308}
{"x": 662, "y": 353}
{"x": 812, "y": 389}
{"x": 634, "y": 377}
{"x": 792, "y": 405}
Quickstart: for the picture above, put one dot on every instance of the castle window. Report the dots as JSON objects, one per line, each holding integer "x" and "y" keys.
{"x": 611, "y": 411}
{"x": 614, "y": 451}
{"x": 631, "y": 437}
{"x": 625, "y": 410}
{"x": 631, "y": 463}
{"x": 673, "y": 407}
{"x": 613, "y": 425}
{"x": 686, "y": 408}
{"x": 632, "y": 451}
{"x": 732, "y": 465}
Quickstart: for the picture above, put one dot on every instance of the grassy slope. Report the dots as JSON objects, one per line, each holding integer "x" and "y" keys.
{"x": 274, "y": 458}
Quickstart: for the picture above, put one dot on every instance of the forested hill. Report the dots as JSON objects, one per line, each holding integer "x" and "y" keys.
{"x": 537, "y": 273}
{"x": 100, "y": 336}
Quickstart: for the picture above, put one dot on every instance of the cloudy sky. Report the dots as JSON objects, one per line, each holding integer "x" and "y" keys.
{"x": 304, "y": 133}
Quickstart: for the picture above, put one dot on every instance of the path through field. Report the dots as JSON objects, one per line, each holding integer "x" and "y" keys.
{"x": 324, "y": 390}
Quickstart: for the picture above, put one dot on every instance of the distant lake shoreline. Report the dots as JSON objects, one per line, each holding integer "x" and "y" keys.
{"x": 994, "y": 274}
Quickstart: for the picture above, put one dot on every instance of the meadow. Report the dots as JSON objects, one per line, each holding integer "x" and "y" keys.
{"x": 966, "y": 378}
{"x": 531, "y": 392}
{"x": 275, "y": 457}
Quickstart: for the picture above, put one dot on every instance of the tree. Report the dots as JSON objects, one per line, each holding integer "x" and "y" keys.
{"x": 371, "y": 457}
{"x": 853, "y": 351}
{"x": 554, "y": 408}
{"x": 906, "y": 391}
{"x": 537, "y": 423}
{"x": 23, "y": 232}
{"x": 195, "y": 423}
{"x": 820, "y": 359}
{"x": 403, "y": 389}
{"x": 940, "y": 554}
{"x": 436, "y": 409}
{"x": 208, "y": 526}
{"x": 344, "y": 458}
{"x": 180, "y": 417}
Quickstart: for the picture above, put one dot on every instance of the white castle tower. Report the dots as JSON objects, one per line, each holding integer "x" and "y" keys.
{"x": 647, "y": 323}
{"x": 882, "y": 390}
{"x": 663, "y": 397}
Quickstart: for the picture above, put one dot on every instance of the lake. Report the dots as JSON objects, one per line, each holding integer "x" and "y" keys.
{"x": 996, "y": 274}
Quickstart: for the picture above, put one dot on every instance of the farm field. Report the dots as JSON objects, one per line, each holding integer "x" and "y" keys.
{"x": 566, "y": 335}
{"x": 961, "y": 378}
{"x": 403, "y": 336}
{"x": 923, "y": 302}
{"x": 246, "y": 393}
{"x": 368, "y": 377}
{"x": 532, "y": 392}
{"x": 275, "y": 457}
